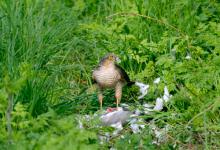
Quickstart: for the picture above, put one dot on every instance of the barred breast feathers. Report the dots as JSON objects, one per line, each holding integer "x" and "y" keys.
{"x": 106, "y": 76}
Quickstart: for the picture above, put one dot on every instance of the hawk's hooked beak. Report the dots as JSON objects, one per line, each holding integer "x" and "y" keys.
{"x": 118, "y": 60}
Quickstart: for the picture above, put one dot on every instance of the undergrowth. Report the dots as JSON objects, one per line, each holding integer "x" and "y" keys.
{"x": 48, "y": 49}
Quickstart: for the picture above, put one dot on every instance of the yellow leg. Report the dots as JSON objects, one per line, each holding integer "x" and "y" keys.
{"x": 117, "y": 102}
{"x": 118, "y": 93}
{"x": 100, "y": 97}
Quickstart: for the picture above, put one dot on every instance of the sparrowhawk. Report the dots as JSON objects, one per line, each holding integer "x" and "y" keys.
{"x": 110, "y": 75}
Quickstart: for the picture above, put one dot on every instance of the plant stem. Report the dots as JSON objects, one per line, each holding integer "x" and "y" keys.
{"x": 147, "y": 17}
{"x": 8, "y": 117}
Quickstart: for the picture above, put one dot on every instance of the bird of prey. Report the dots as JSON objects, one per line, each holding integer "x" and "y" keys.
{"x": 110, "y": 75}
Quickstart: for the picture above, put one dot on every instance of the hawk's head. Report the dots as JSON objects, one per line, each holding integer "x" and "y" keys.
{"x": 109, "y": 59}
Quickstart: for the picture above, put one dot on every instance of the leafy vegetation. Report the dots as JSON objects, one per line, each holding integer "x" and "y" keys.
{"x": 48, "y": 49}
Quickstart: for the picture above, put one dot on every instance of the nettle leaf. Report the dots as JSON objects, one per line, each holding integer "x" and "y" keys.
{"x": 165, "y": 61}
{"x": 3, "y": 100}
{"x": 216, "y": 60}
{"x": 216, "y": 104}
{"x": 79, "y": 5}
{"x": 217, "y": 48}
{"x": 148, "y": 72}
{"x": 181, "y": 68}
{"x": 215, "y": 27}
{"x": 19, "y": 111}
{"x": 13, "y": 85}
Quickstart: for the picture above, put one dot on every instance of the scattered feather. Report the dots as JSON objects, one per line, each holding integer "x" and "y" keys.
{"x": 143, "y": 89}
{"x": 122, "y": 136}
{"x": 148, "y": 105}
{"x": 148, "y": 111}
{"x": 166, "y": 96}
{"x": 80, "y": 124}
{"x": 104, "y": 138}
{"x": 135, "y": 128}
{"x": 159, "y": 104}
{"x": 157, "y": 80}
{"x": 188, "y": 56}
{"x": 161, "y": 134}
{"x": 124, "y": 105}
{"x": 118, "y": 127}
{"x": 136, "y": 124}
{"x": 137, "y": 112}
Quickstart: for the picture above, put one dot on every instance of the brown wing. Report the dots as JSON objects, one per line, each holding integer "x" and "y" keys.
{"x": 93, "y": 77}
{"x": 124, "y": 75}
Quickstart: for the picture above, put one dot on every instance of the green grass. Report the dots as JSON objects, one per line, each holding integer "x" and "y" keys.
{"x": 48, "y": 49}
